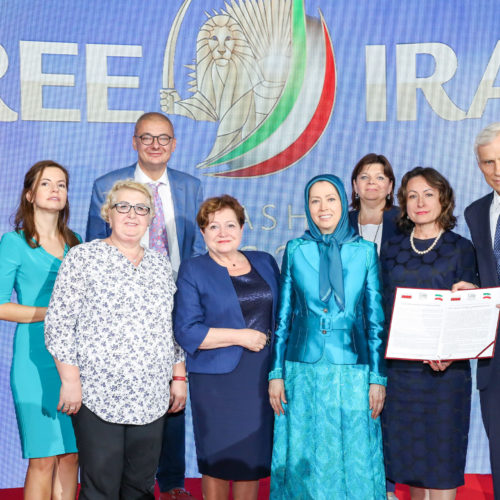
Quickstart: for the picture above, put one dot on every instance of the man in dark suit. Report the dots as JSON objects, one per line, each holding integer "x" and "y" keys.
{"x": 178, "y": 196}
{"x": 482, "y": 217}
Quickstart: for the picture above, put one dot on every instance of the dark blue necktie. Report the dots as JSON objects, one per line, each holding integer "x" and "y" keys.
{"x": 496, "y": 246}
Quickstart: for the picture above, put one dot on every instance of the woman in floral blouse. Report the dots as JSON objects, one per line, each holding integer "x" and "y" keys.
{"x": 109, "y": 329}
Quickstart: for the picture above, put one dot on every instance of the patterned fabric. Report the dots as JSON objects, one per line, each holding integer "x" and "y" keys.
{"x": 496, "y": 246}
{"x": 426, "y": 415}
{"x": 327, "y": 446}
{"x": 158, "y": 239}
{"x": 34, "y": 380}
{"x": 113, "y": 320}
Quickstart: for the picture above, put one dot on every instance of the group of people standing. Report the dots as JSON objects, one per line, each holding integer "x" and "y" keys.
{"x": 150, "y": 298}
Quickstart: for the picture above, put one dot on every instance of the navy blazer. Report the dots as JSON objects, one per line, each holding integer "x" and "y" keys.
{"x": 389, "y": 219}
{"x": 187, "y": 196}
{"x": 477, "y": 216}
{"x": 206, "y": 299}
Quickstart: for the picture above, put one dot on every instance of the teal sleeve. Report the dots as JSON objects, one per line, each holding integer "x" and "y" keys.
{"x": 374, "y": 316}
{"x": 10, "y": 261}
{"x": 285, "y": 310}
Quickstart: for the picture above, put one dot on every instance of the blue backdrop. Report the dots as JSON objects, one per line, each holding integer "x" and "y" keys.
{"x": 299, "y": 96}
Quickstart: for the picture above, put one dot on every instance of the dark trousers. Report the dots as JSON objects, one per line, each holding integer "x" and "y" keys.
{"x": 172, "y": 465}
{"x": 117, "y": 461}
{"x": 490, "y": 410}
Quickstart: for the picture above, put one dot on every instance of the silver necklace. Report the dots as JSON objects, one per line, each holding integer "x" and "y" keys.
{"x": 376, "y": 232}
{"x": 423, "y": 252}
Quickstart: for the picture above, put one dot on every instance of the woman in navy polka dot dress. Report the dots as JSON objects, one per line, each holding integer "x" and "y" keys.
{"x": 426, "y": 417}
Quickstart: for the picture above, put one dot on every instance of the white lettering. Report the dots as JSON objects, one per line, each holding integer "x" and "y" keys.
{"x": 274, "y": 222}
{"x": 33, "y": 80}
{"x": 486, "y": 90}
{"x": 431, "y": 86}
{"x": 98, "y": 83}
{"x": 6, "y": 114}
{"x": 376, "y": 83}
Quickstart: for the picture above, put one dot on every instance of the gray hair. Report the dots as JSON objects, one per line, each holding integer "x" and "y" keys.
{"x": 126, "y": 184}
{"x": 487, "y": 136}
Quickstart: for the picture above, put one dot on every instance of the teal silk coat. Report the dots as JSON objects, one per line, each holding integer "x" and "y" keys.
{"x": 309, "y": 329}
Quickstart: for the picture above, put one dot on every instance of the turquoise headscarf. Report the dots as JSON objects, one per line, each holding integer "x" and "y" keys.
{"x": 330, "y": 267}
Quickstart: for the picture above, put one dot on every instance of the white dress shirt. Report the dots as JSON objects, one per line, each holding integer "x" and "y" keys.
{"x": 494, "y": 213}
{"x": 168, "y": 213}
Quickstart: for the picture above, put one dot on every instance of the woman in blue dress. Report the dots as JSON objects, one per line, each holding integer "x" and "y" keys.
{"x": 30, "y": 257}
{"x": 426, "y": 419}
{"x": 224, "y": 318}
{"x": 327, "y": 382}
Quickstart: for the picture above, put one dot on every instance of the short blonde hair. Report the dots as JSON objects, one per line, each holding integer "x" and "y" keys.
{"x": 126, "y": 184}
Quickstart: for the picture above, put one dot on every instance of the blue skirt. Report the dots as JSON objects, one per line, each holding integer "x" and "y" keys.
{"x": 327, "y": 446}
{"x": 233, "y": 420}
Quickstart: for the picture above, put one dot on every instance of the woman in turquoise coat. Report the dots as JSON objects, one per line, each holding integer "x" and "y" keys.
{"x": 30, "y": 257}
{"x": 327, "y": 379}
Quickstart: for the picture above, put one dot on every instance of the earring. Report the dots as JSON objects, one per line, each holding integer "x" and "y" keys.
{"x": 356, "y": 195}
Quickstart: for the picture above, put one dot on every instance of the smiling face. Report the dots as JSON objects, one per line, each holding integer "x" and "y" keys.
{"x": 223, "y": 233}
{"x": 153, "y": 158}
{"x": 488, "y": 158}
{"x": 128, "y": 227}
{"x": 51, "y": 192}
{"x": 325, "y": 206}
{"x": 422, "y": 203}
{"x": 372, "y": 184}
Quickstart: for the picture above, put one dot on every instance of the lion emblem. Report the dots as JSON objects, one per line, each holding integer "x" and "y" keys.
{"x": 242, "y": 63}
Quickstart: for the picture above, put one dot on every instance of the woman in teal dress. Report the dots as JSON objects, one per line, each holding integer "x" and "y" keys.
{"x": 327, "y": 379}
{"x": 30, "y": 257}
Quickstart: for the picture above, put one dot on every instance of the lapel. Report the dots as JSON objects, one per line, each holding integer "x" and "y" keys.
{"x": 310, "y": 254}
{"x": 481, "y": 228}
{"x": 178, "y": 197}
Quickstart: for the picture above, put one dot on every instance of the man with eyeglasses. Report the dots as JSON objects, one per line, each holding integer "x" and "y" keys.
{"x": 177, "y": 197}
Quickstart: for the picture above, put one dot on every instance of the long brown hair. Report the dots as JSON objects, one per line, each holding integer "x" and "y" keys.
{"x": 25, "y": 215}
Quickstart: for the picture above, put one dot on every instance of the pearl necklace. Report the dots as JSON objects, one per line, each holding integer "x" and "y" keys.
{"x": 423, "y": 252}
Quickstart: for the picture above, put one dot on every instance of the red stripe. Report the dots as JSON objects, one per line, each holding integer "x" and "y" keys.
{"x": 406, "y": 296}
{"x": 312, "y": 132}
{"x": 454, "y": 299}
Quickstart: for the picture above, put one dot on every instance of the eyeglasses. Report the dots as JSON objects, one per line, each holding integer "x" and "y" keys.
{"x": 148, "y": 139}
{"x": 123, "y": 207}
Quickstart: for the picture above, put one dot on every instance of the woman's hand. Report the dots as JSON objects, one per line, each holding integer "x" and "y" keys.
{"x": 277, "y": 395}
{"x": 438, "y": 366}
{"x": 70, "y": 397}
{"x": 462, "y": 285}
{"x": 376, "y": 398}
{"x": 253, "y": 340}
{"x": 178, "y": 396}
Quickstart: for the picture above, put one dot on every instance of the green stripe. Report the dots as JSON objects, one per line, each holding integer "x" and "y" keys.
{"x": 290, "y": 94}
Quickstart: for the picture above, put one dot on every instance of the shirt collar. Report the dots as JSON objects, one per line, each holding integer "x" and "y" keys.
{"x": 496, "y": 201}
{"x": 141, "y": 176}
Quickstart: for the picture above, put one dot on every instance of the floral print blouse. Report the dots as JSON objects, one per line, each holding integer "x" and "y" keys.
{"x": 114, "y": 321}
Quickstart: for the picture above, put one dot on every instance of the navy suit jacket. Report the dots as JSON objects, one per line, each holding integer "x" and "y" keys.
{"x": 187, "y": 195}
{"x": 389, "y": 227}
{"x": 206, "y": 299}
{"x": 477, "y": 216}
